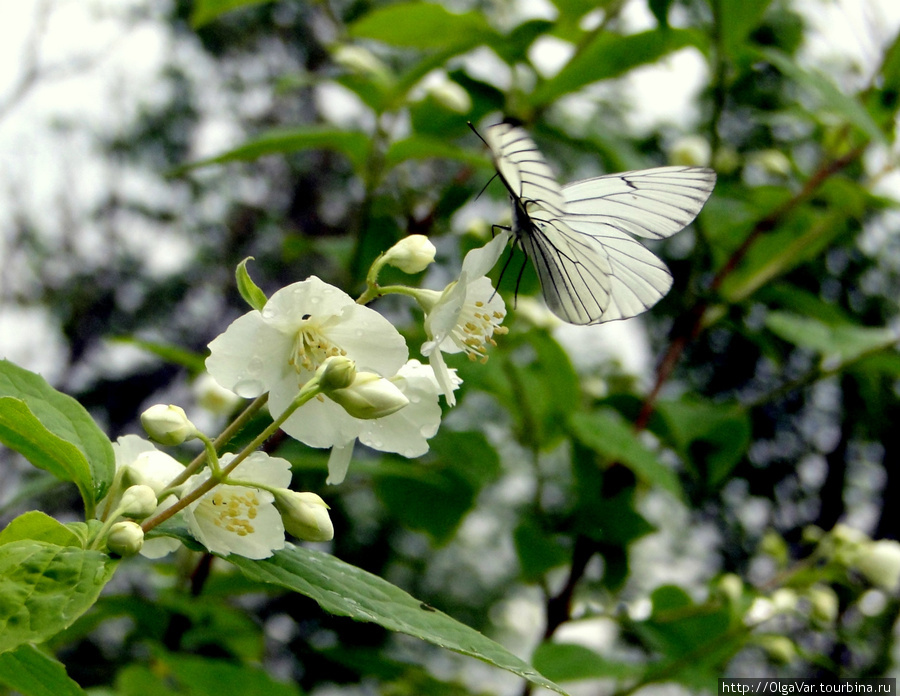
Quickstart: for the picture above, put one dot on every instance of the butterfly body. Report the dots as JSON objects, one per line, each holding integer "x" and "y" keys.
{"x": 581, "y": 237}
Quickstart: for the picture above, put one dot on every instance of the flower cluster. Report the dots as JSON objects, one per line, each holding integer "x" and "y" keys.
{"x": 332, "y": 372}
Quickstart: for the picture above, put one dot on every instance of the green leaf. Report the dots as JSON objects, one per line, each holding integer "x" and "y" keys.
{"x": 533, "y": 378}
{"x": 88, "y": 461}
{"x": 425, "y": 147}
{"x": 696, "y": 640}
{"x": 249, "y": 290}
{"x": 176, "y": 355}
{"x": 803, "y": 236}
{"x": 36, "y": 526}
{"x": 283, "y": 140}
{"x": 190, "y": 674}
{"x": 606, "y": 432}
{"x": 843, "y": 341}
{"x": 567, "y": 662}
{"x": 423, "y": 25}
{"x": 206, "y": 11}
{"x": 435, "y": 497}
{"x": 831, "y": 97}
{"x": 538, "y": 551}
{"x": 345, "y": 590}
{"x": 710, "y": 437}
{"x": 34, "y": 673}
{"x": 44, "y": 588}
{"x": 737, "y": 20}
{"x": 611, "y": 55}
{"x": 21, "y": 431}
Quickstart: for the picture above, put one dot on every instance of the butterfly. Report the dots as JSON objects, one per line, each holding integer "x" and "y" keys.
{"x": 581, "y": 236}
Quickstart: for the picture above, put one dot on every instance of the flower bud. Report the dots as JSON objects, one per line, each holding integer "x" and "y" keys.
{"x": 784, "y": 600}
{"x": 731, "y": 586}
{"x": 779, "y": 648}
{"x": 213, "y": 397}
{"x": 168, "y": 425}
{"x": 879, "y": 562}
{"x": 451, "y": 95}
{"x": 125, "y": 538}
{"x": 336, "y": 372}
{"x": 823, "y": 602}
{"x": 369, "y": 396}
{"x": 690, "y": 150}
{"x": 773, "y": 162}
{"x": 411, "y": 254}
{"x": 305, "y": 515}
{"x": 138, "y": 502}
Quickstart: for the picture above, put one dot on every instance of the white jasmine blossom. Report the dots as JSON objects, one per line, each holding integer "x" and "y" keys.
{"x": 279, "y": 349}
{"x": 241, "y": 519}
{"x": 465, "y": 316}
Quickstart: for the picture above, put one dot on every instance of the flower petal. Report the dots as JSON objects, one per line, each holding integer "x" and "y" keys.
{"x": 369, "y": 339}
{"x": 442, "y": 375}
{"x": 339, "y": 462}
{"x": 479, "y": 261}
{"x": 316, "y": 423}
{"x": 262, "y": 468}
{"x": 443, "y": 317}
{"x": 407, "y": 431}
{"x": 287, "y": 307}
{"x": 250, "y": 356}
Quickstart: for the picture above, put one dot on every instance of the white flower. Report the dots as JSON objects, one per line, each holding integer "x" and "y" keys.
{"x": 411, "y": 254}
{"x": 279, "y": 349}
{"x": 305, "y": 515}
{"x": 879, "y": 561}
{"x": 406, "y": 431}
{"x": 241, "y": 519}
{"x": 125, "y": 538}
{"x": 465, "y": 316}
{"x": 144, "y": 464}
{"x": 168, "y": 424}
{"x": 147, "y": 466}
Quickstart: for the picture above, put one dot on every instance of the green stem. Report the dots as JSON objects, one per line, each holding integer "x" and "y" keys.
{"x": 374, "y": 291}
{"x": 236, "y": 426}
{"x": 307, "y": 392}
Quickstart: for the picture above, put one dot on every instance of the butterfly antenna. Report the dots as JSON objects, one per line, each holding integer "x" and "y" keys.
{"x": 475, "y": 131}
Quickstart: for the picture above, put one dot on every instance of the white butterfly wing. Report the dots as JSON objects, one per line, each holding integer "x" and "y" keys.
{"x": 654, "y": 203}
{"x": 522, "y": 167}
{"x": 587, "y": 279}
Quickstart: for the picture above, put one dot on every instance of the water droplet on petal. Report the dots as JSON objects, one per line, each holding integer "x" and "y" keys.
{"x": 248, "y": 388}
{"x": 427, "y": 431}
